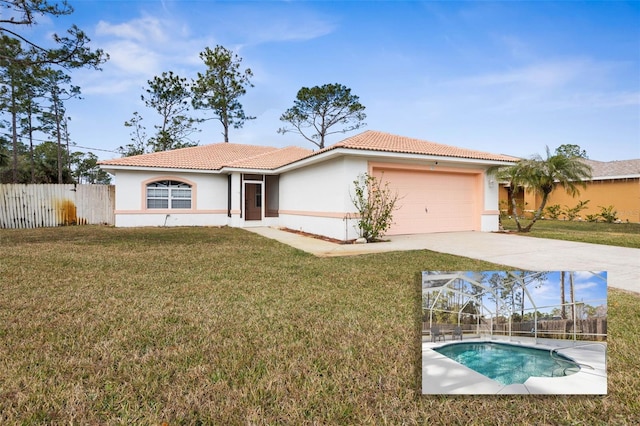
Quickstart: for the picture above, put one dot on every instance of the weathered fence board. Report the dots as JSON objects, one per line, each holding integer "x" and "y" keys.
{"x": 586, "y": 329}
{"x": 562, "y": 329}
{"x": 36, "y": 206}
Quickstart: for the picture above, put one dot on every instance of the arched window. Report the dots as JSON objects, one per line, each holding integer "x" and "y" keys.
{"x": 168, "y": 194}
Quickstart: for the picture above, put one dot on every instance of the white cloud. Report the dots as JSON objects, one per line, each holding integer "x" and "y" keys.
{"x": 288, "y": 30}
{"x": 276, "y": 23}
{"x": 143, "y": 47}
{"x": 545, "y": 292}
{"x": 540, "y": 75}
{"x": 585, "y": 275}
{"x": 111, "y": 87}
{"x": 572, "y": 84}
{"x": 143, "y": 30}
{"x": 133, "y": 58}
{"x": 584, "y": 286}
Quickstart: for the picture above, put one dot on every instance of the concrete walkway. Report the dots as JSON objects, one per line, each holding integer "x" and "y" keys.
{"x": 622, "y": 264}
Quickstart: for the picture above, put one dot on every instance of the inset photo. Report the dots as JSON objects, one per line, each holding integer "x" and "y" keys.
{"x": 514, "y": 332}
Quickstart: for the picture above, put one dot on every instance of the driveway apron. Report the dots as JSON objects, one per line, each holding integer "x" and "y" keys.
{"x": 622, "y": 264}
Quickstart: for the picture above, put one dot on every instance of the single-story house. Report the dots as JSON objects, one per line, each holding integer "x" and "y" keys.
{"x": 613, "y": 183}
{"x": 441, "y": 187}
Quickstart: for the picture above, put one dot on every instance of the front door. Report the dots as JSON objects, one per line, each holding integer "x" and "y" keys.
{"x": 253, "y": 201}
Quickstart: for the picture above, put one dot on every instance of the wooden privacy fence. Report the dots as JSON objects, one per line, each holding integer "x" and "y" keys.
{"x": 37, "y": 206}
{"x": 586, "y": 329}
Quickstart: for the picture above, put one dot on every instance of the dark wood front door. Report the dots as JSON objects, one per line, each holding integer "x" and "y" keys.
{"x": 253, "y": 201}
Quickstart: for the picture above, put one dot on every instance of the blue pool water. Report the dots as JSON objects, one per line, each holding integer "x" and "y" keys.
{"x": 508, "y": 364}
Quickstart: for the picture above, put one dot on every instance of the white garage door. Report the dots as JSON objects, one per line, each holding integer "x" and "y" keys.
{"x": 433, "y": 201}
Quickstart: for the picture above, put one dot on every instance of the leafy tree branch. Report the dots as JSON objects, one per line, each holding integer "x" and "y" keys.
{"x": 318, "y": 109}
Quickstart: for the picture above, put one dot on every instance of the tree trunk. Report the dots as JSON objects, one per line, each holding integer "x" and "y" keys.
{"x": 538, "y": 212}
{"x": 57, "y": 118}
{"x": 14, "y": 133}
{"x": 572, "y": 295}
{"x": 224, "y": 119}
{"x": 32, "y": 159}
{"x": 514, "y": 206}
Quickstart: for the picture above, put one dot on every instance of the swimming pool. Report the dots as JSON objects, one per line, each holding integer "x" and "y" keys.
{"x": 508, "y": 364}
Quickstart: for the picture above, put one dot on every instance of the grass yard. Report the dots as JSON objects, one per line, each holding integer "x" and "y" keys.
{"x": 220, "y": 326}
{"x": 613, "y": 234}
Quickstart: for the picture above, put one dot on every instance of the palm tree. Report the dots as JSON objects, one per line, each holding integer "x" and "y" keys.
{"x": 543, "y": 175}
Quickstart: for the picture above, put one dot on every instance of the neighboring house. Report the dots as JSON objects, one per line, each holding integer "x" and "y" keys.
{"x": 613, "y": 183}
{"x": 441, "y": 188}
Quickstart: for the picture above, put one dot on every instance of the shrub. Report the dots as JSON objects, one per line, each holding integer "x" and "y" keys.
{"x": 608, "y": 214}
{"x": 572, "y": 213}
{"x": 554, "y": 211}
{"x": 592, "y": 217}
{"x": 375, "y": 203}
{"x": 504, "y": 209}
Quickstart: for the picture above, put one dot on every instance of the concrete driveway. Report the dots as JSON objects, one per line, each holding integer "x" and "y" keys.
{"x": 622, "y": 264}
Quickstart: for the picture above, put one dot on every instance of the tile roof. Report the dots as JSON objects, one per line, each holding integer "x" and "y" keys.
{"x": 272, "y": 159}
{"x": 380, "y": 141}
{"x": 220, "y": 155}
{"x": 603, "y": 169}
{"x": 204, "y": 157}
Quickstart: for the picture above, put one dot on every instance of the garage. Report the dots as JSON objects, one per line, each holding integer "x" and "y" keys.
{"x": 433, "y": 200}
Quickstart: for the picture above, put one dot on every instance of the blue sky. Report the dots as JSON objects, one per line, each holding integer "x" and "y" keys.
{"x": 503, "y": 77}
{"x": 590, "y": 287}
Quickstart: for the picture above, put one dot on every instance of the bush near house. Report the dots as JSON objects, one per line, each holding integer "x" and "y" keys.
{"x": 553, "y": 212}
{"x": 571, "y": 213}
{"x": 375, "y": 203}
{"x": 607, "y": 214}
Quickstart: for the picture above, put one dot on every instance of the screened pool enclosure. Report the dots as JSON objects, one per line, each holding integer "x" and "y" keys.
{"x": 538, "y": 304}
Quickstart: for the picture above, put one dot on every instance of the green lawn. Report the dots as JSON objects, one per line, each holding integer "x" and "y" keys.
{"x": 220, "y": 326}
{"x": 614, "y": 234}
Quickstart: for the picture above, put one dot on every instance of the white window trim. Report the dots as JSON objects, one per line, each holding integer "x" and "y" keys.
{"x": 172, "y": 185}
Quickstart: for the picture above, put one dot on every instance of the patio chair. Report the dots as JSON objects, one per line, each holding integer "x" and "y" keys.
{"x": 457, "y": 332}
{"x": 435, "y": 333}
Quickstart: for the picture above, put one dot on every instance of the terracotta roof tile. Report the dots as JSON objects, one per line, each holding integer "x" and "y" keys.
{"x": 381, "y": 141}
{"x": 217, "y": 156}
{"x": 602, "y": 169}
{"x": 204, "y": 157}
{"x": 272, "y": 159}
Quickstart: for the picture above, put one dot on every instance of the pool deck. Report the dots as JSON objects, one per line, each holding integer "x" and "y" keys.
{"x": 442, "y": 375}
